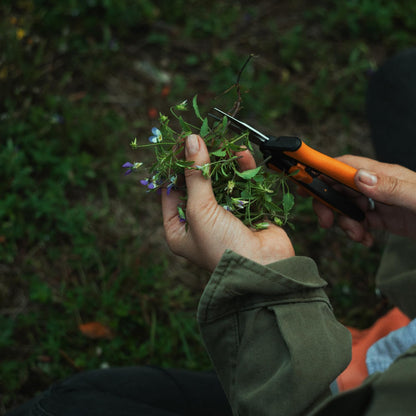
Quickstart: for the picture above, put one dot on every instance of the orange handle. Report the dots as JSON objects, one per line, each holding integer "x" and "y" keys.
{"x": 335, "y": 169}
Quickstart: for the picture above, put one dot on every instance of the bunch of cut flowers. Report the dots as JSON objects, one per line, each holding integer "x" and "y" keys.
{"x": 256, "y": 196}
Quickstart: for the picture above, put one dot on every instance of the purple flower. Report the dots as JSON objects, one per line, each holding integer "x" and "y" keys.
{"x": 157, "y": 136}
{"x": 148, "y": 183}
{"x": 131, "y": 167}
{"x": 239, "y": 203}
{"x": 151, "y": 183}
{"x": 172, "y": 183}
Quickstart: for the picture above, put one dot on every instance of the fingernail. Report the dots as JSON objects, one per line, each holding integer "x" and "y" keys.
{"x": 367, "y": 178}
{"x": 192, "y": 145}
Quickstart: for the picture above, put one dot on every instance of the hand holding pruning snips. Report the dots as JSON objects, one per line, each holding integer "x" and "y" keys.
{"x": 212, "y": 229}
{"x": 385, "y": 194}
{"x": 392, "y": 187}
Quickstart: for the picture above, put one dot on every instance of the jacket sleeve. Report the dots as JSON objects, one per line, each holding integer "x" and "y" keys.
{"x": 271, "y": 335}
{"x": 396, "y": 274}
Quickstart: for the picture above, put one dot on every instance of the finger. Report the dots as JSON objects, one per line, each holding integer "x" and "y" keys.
{"x": 382, "y": 170}
{"x": 175, "y": 230}
{"x": 198, "y": 187}
{"x": 325, "y": 214}
{"x": 360, "y": 162}
{"x": 170, "y": 202}
{"x": 391, "y": 190}
{"x": 172, "y": 198}
{"x": 246, "y": 160}
{"x": 355, "y": 231}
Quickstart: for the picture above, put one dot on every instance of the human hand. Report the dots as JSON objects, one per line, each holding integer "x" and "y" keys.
{"x": 212, "y": 229}
{"x": 392, "y": 187}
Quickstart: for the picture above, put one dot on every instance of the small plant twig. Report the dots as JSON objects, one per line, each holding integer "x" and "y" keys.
{"x": 237, "y": 104}
{"x": 237, "y": 85}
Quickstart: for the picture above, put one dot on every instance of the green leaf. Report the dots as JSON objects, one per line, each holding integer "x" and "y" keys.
{"x": 259, "y": 179}
{"x": 278, "y": 221}
{"x": 196, "y": 108}
{"x": 224, "y": 124}
{"x": 249, "y": 174}
{"x": 181, "y": 213}
{"x": 204, "y": 128}
{"x": 219, "y": 153}
{"x": 184, "y": 125}
{"x": 288, "y": 202}
{"x": 245, "y": 194}
{"x": 184, "y": 163}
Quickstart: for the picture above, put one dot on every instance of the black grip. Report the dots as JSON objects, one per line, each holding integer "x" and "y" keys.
{"x": 334, "y": 199}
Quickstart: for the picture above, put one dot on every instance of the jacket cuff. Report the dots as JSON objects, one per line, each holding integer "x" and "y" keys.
{"x": 239, "y": 283}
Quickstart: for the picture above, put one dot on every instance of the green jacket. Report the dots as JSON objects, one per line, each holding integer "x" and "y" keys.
{"x": 276, "y": 345}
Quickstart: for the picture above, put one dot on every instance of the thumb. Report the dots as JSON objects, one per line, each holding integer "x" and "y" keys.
{"x": 198, "y": 184}
{"x": 390, "y": 190}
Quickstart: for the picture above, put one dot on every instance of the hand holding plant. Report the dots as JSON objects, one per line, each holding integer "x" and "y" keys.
{"x": 255, "y": 195}
{"x": 213, "y": 229}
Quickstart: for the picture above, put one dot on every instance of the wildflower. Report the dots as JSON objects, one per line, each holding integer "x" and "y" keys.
{"x": 149, "y": 183}
{"x": 239, "y": 203}
{"x": 230, "y": 186}
{"x": 133, "y": 144}
{"x": 204, "y": 169}
{"x": 172, "y": 183}
{"x": 227, "y": 208}
{"x": 157, "y": 136}
{"x": 131, "y": 167}
{"x": 182, "y": 105}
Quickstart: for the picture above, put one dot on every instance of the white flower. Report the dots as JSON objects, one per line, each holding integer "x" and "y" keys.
{"x": 157, "y": 136}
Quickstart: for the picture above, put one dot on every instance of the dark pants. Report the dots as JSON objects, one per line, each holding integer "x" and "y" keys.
{"x": 131, "y": 391}
{"x": 391, "y": 107}
{"x": 391, "y": 110}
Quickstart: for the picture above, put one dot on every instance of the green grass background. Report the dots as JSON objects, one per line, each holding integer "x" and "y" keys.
{"x": 79, "y": 242}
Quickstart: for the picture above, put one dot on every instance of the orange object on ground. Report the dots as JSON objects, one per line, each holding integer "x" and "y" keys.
{"x": 96, "y": 330}
{"x": 362, "y": 340}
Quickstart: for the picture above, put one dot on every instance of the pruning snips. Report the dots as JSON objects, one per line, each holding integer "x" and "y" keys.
{"x": 303, "y": 165}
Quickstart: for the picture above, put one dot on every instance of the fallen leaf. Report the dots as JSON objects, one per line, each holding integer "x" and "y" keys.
{"x": 165, "y": 91}
{"x": 152, "y": 113}
{"x": 96, "y": 330}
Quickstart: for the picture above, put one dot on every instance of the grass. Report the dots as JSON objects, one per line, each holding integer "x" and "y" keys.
{"x": 79, "y": 242}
